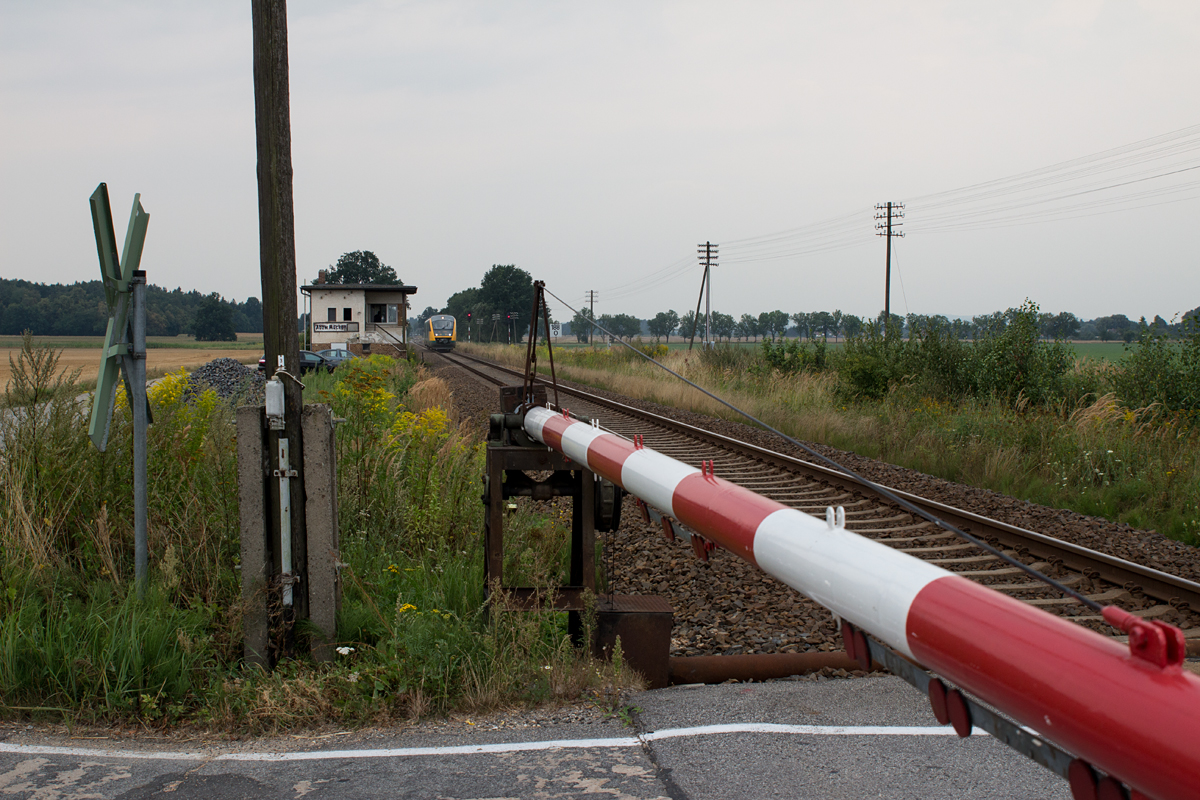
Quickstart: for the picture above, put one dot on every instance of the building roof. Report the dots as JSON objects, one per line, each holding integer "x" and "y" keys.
{"x": 366, "y": 287}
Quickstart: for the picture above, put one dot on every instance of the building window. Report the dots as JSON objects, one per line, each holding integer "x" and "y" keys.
{"x": 332, "y": 317}
{"x": 346, "y": 314}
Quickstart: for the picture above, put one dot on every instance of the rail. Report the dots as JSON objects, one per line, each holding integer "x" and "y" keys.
{"x": 1169, "y": 589}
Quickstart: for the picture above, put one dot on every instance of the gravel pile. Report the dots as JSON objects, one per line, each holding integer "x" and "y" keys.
{"x": 725, "y": 606}
{"x": 228, "y": 379}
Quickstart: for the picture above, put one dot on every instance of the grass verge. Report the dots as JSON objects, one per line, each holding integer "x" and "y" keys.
{"x": 413, "y": 635}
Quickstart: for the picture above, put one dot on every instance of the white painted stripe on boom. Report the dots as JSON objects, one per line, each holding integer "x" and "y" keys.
{"x": 534, "y": 423}
{"x": 860, "y": 580}
{"x": 653, "y": 477}
{"x": 575, "y": 441}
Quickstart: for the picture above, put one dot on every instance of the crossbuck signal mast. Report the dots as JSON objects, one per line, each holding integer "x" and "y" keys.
{"x": 887, "y": 216}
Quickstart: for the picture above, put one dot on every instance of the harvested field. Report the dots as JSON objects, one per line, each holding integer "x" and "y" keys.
{"x": 158, "y": 361}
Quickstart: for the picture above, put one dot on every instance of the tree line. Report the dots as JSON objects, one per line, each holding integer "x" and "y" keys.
{"x": 837, "y": 324}
{"x": 498, "y": 310}
{"x": 79, "y": 309}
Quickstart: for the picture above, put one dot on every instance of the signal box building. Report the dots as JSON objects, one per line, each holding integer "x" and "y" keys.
{"x": 363, "y": 318}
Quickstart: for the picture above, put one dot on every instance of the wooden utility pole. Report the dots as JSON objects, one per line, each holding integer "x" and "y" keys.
{"x": 592, "y": 330}
{"x": 885, "y": 214}
{"x": 708, "y": 257}
{"x": 708, "y": 260}
{"x": 277, "y": 248}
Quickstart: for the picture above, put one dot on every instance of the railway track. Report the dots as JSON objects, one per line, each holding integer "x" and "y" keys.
{"x": 812, "y": 488}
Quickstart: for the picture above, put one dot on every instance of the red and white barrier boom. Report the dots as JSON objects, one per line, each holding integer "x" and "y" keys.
{"x": 1135, "y": 714}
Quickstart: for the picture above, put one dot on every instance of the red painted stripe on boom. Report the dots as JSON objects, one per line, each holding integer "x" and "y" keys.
{"x": 1051, "y": 673}
{"x": 722, "y": 511}
{"x": 606, "y": 455}
{"x": 553, "y": 430}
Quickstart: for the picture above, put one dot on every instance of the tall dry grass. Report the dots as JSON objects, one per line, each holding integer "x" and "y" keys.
{"x": 1087, "y": 451}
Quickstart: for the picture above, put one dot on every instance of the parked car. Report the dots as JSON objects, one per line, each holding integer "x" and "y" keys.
{"x": 308, "y": 362}
{"x": 337, "y": 357}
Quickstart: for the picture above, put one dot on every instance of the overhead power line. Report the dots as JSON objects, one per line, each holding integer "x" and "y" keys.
{"x": 1149, "y": 172}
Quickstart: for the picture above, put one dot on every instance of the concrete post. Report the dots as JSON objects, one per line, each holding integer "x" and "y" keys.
{"x": 322, "y": 587}
{"x": 321, "y": 513}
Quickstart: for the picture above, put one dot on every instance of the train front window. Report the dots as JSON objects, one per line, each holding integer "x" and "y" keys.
{"x": 443, "y": 324}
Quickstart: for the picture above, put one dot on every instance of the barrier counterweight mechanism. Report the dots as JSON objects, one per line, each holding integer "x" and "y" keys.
{"x": 1131, "y": 713}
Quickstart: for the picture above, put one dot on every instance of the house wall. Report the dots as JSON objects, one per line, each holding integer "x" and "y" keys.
{"x": 338, "y": 298}
{"x": 359, "y": 302}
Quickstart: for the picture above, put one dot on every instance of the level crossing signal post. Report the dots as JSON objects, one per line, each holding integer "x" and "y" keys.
{"x": 124, "y": 352}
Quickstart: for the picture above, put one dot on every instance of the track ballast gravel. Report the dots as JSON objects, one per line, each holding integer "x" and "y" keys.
{"x": 228, "y": 378}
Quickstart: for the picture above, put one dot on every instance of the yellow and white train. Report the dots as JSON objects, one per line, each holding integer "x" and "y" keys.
{"x": 441, "y": 331}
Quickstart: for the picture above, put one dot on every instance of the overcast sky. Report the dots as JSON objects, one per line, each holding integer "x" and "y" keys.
{"x": 595, "y": 144}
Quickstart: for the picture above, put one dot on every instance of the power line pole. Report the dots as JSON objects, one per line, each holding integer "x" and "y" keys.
{"x": 708, "y": 258}
{"x": 888, "y": 212}
{"x": 592, "y": 330}
{"x": 696, "y": 316}
{"x": 281, "y": 341}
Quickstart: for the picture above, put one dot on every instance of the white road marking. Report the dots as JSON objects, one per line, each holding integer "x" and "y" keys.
{"x": 806, "y": 730}
{"x": 503, "y": 747}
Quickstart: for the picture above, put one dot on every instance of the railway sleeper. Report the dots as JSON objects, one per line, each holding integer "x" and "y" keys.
{"x": 945, "y": 548}
{"x": 819, "y": 511}
{"x": 1033, "y": 586}
{"x": 967, "y": 560}
{"x": 787, "y": 496}
{"x": 931, "y": 537}
{"x": 919, "y": 526}
{"x": 987, "y": 573}
{"x": 905, "y": 517}
{"x": 1107, "y": 597}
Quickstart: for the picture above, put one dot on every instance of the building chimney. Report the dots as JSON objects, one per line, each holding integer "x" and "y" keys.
{"x": 320, "y": 276}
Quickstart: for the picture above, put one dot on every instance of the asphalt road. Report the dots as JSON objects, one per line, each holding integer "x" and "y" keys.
{"x": 872, "y": 737}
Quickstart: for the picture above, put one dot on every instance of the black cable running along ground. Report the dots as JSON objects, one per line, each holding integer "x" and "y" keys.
{"x": 886, "y": 493}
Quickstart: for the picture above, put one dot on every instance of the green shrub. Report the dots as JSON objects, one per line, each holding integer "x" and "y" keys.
{"x": 1015, "y": 363}
{"x": 1158, "y": 369}
{"x": 871, "y": 362}
{"x": 727, "y": 357}
{"x": 790, "y": 356}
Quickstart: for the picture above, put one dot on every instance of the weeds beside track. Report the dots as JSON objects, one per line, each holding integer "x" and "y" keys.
{"x": 76, "y": 644}
{"x": 1082, "y": 447}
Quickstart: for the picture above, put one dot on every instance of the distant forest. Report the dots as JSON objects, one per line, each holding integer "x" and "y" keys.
{"x": 79, "y": 309}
